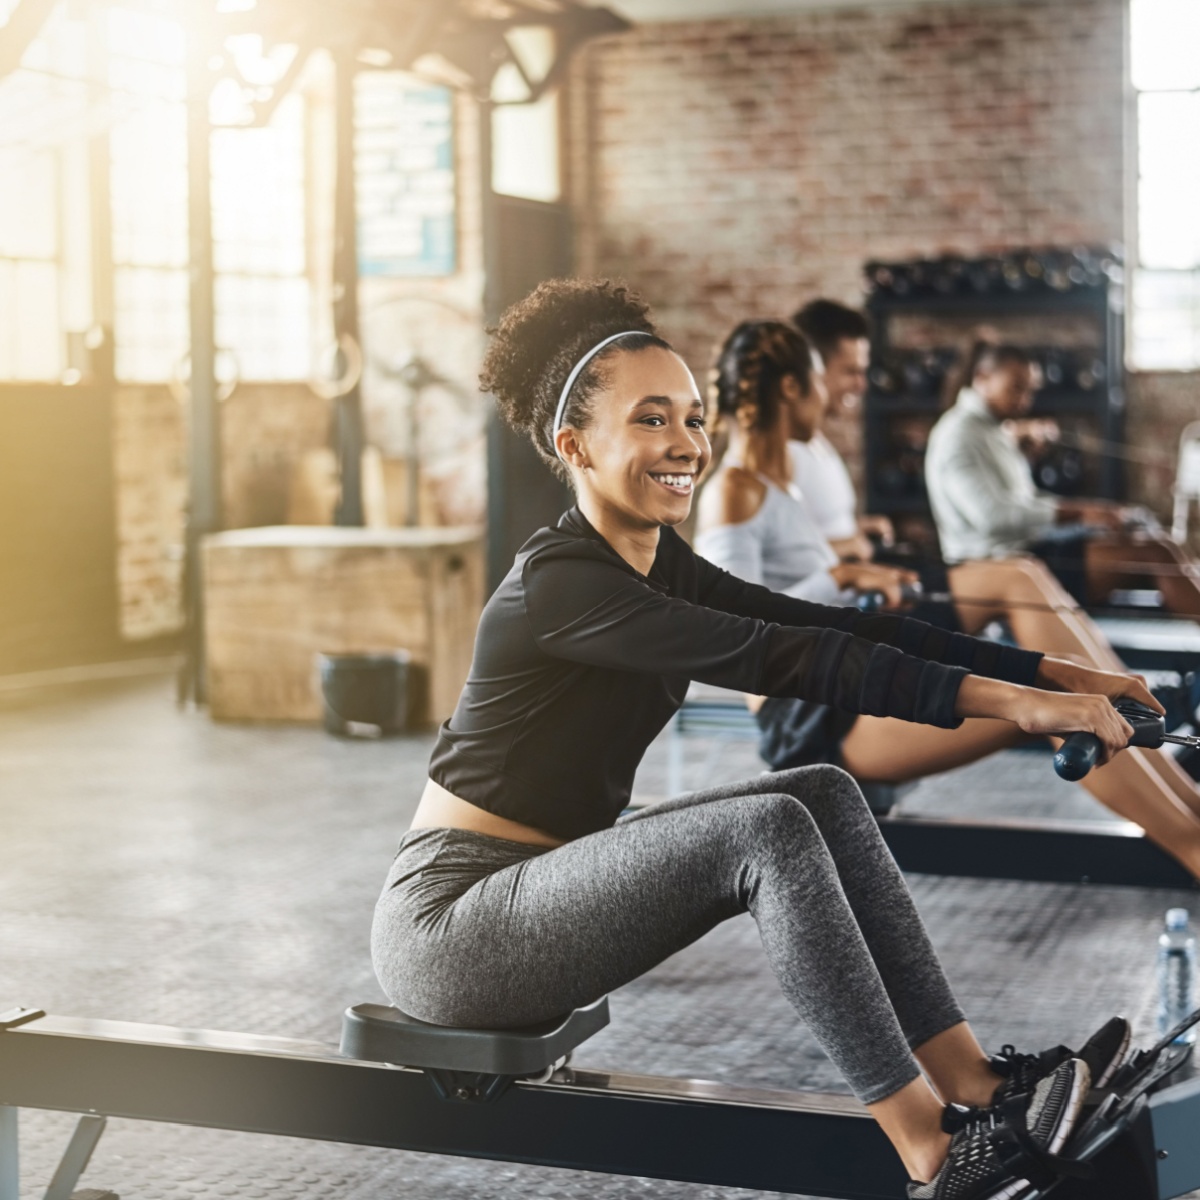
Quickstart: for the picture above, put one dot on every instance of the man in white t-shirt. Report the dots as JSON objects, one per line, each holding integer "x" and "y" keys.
{"x": 840, "y": 336}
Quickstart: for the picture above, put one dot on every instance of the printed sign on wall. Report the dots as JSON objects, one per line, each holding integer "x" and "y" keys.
{"x": 404, "y": 159}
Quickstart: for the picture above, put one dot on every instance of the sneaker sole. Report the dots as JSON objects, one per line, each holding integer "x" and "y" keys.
{"x": 1014, "y": 1189}
{"x": 1117, "y": 1059}
{"x": 1069, "y": 1116}
{"x": 1068, "y": 1119}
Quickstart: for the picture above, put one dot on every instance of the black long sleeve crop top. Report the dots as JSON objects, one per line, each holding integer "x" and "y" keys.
{"x": 580, "y": 661}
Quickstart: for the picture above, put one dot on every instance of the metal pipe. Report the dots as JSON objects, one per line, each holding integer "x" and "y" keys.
{"x": 1123, "y": 450}
{"x": 10, "y": 1163}
{"x": 76, "y": 1157}
{"x": 102, "y": 361}
{"x": 350, "y": 435}
{"x": 204, "y": 433}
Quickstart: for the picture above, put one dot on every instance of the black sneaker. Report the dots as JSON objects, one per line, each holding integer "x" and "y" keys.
{"x": 985, "y": 1160}
{"x": 1103, "y": 1053}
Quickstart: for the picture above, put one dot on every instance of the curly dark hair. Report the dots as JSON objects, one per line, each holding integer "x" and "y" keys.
{"x": 754, "y": 359}
{"x": 540, "y": 339}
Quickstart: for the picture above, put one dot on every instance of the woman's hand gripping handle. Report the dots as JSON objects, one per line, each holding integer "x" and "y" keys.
{"x": 1055, "y": 714}
{"x": 1080, "y": 752}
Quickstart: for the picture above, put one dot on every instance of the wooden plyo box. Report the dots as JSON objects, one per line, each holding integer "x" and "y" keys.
{"x": 275, "y": 597}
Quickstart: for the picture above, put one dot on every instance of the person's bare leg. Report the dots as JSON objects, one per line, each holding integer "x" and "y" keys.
{"x": 1173, "y": 775}
{"x": 957, "y": 1067}
{"x": 888, "y": 750}
{"x": 1105, "y": 568}
{"x": 1065, "y": 633}
{"x": 1132, "y": 788}
{"x": 1112, "y": 561}
{"x": 1040, "y": 611}
{"x": 912, "y": 1120}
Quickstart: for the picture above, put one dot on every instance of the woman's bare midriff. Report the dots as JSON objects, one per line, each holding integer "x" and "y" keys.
{"x": 440, "y": 809}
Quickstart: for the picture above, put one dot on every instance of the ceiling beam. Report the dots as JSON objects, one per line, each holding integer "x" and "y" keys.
{"x": 24, "y": 24}
{"x": 649, "y": 11}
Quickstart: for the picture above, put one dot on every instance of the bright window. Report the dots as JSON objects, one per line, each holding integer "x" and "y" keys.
{"x": 525, "y": 152}
{"x": 1166, "y": 279}
{"x": 43, "y": 271}
{"x": 148, "y": 137}
{"x": 50, "y": 109}
{"x": 261, "y": 290}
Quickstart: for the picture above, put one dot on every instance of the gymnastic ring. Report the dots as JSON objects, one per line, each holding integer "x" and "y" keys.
{"x": 343, "y": 385}
{"x": 178, "y": 382}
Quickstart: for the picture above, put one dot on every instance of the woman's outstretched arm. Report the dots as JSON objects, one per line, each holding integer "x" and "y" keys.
{"x": 586, "y": 608}
{"x": 992, "y": 660}
{"x": 720, "y": 590}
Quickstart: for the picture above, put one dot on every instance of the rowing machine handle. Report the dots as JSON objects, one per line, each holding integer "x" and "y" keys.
{"x": 1077, "y": 756}
{"x": 873, "y": 601}
{"x": 1080, "y": 752}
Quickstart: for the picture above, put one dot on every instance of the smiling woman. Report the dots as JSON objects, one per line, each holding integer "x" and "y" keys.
{"x": 634, "y": 464}
{"x": 521, "y": 893}
{"x": 553, "y": 355}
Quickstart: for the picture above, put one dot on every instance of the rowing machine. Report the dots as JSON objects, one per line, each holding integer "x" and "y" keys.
{"x": 1110, "y": 853}
{"x": 509, "y": 1095}
{"x": 1049, "y": 851}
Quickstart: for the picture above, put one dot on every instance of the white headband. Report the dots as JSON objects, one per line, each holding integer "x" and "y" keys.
{"x": 560, "y": 411}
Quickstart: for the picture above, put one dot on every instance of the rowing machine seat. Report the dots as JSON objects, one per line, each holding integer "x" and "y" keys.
{"x": 377, "y": 1033}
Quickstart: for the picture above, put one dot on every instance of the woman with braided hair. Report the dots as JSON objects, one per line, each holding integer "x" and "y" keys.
{"x": 755, "y": 523}
{"x": 520, "y": 893}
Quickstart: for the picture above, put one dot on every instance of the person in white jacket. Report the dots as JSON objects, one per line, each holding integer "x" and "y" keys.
{"x": 987, "y": 508}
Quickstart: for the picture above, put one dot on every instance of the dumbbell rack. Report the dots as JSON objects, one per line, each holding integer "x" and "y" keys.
{"x": 1103, "y": 405}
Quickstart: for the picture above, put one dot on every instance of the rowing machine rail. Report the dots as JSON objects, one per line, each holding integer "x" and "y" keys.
{"x": 705, "y": 1133}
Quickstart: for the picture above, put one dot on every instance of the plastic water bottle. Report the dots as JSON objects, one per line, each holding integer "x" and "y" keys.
{"x": 1176, "y": 973}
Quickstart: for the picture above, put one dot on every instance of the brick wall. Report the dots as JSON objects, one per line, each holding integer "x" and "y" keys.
{"x": 738, "y": 167}
{"x": 150, "y": 472}
{"x": 265, "y": 430}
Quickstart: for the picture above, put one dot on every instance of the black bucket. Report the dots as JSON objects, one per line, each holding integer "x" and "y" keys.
{"x": 365, "y": 694}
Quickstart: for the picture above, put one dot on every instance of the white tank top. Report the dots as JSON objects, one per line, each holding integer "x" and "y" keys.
{"x": 821, "y": 475}
{"x": 779, "y": 547}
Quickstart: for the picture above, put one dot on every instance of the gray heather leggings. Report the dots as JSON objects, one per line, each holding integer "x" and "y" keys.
{"x": 481, "y": 932}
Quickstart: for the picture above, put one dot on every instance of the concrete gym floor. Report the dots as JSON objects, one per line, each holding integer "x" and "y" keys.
{"x": 161, "y": 868}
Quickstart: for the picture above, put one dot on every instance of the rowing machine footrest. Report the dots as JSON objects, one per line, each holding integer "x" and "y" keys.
{"x": 377, "y": 1033}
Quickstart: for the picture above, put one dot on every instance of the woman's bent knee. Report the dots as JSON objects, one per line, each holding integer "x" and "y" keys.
{"x": 821, "y": 783}
{"x": 775, "y": 815}
{"x": 792, "y": 821}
